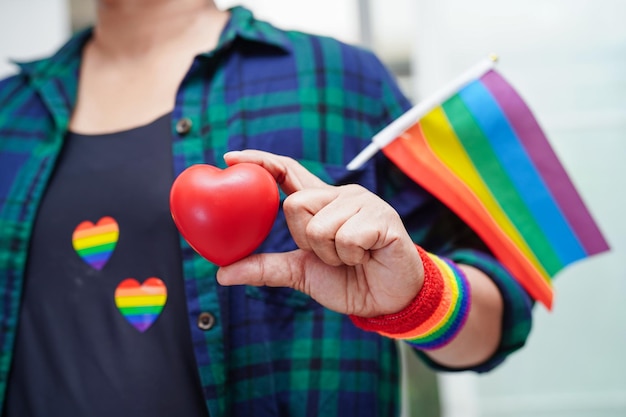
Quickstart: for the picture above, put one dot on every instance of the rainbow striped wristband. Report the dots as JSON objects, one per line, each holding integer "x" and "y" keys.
{"x": 437, "y": 313}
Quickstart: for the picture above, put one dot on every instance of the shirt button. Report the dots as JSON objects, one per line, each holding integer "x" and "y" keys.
{"x": 206, "y": 321}
{"x": 183, "y": 126}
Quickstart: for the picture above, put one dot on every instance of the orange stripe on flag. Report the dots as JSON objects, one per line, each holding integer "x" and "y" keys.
{"x": 444, "y": 143}
{"x": 412, "y": 154}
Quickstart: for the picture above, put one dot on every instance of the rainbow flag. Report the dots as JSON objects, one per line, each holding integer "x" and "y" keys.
{"x": 477, "y": 147}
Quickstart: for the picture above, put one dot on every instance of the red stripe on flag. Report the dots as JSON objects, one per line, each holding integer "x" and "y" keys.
{"x": 412, "y": 155}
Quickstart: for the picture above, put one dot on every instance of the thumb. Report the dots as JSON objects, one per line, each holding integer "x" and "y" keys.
{"x": 269, "y": 269}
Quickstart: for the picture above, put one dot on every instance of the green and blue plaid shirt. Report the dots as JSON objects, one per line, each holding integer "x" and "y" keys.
{"x": 272, "y": 351}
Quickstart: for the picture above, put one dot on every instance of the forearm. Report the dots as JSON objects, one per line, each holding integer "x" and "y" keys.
{"x": 480, "y": 336}
{"x": 456, "y": 317}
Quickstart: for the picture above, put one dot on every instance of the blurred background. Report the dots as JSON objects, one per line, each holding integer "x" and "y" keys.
{"x": 567, "y": 58}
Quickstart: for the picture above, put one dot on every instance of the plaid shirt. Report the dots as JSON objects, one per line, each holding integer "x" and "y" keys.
{"x": 272, "y": 351}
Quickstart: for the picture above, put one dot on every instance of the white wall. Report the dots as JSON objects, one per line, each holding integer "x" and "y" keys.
{"x": 567, "y": 58}
{"x": 30, "y": 29}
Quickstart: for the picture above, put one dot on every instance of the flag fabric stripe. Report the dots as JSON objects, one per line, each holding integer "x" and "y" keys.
{"x": 497, "y": 180}
{"x": 546, "y": 161}
{"x": 520, "y": 169}
{"x": 413, "y": 151}
{"x": 451, "y": 152}
{"x": 477, "y": 147}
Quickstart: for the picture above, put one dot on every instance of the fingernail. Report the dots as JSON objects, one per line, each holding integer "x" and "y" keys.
{"x": 231, "y": 153}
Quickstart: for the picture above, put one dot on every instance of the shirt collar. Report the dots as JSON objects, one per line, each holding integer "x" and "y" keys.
{"x": 245, "y": 26}
{"x": 65, "y": 58}
{"x": 242, "y": 24}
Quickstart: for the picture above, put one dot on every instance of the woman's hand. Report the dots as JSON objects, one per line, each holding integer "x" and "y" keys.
{"x": 354, "y": 256}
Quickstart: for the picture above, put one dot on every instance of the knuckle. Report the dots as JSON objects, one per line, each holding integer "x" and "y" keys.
{"x": 354, "y": 189}
{"x": 330, "y": 259}
{"x": 293, "y": 203}
{"x": 353, "y": 258}
{"x": 288, "y": 160}
{"x": 345, "y": 239}
{"x": 315, "y": 231}
{"x": 350, "y": 252}
{"x": 297, "y": 278}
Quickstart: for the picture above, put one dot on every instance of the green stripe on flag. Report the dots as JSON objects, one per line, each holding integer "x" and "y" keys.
{"x": 497, "y": 179}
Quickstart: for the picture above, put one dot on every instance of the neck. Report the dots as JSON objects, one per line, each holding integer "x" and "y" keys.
{"x": 136, "y": 28}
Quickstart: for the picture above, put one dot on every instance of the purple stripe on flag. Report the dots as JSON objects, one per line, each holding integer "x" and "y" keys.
{"x": 526, "y": 179}
{"x": 546, "y": 162}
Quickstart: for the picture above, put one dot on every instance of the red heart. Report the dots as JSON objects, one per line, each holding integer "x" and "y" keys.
{"x": 224, "y": 214}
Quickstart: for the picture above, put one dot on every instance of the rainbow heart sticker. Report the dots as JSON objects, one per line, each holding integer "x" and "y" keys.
{"x": 95, "y": 243}
{"x": 141, "y": 304}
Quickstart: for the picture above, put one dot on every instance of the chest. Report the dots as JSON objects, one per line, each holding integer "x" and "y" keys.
{"x": 112, "y": 98}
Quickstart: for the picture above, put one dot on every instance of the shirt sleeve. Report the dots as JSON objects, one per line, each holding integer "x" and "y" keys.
{"x": 438, "y": 230}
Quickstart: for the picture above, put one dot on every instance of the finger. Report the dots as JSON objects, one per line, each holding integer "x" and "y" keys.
{"x": 354, "y": 239}
{"x": 288, "y": 173}
{"x": 270, "y": 269}
{"x": 362, "y": 222}
{"x": 339, "y": 225}
{"x": 328, "y": 284}
{"x": 343, "y": 233}
{"x": 321, "y": 231}
{"x": 301, "y": 207}
{"x": 370, "y": 229}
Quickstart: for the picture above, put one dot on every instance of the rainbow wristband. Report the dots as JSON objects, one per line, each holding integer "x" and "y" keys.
{"x": 437, "y": 313}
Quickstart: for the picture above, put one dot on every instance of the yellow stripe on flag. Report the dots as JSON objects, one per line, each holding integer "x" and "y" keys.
{"x": 445, "y": 144}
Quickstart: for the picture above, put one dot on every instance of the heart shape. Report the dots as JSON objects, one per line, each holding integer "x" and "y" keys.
{"x": 141, "y": 304}
{"x": 224, "y": 214}
{"x": 95, "y": 243}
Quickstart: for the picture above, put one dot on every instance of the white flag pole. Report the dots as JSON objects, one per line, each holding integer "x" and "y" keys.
{"x": 402, "y": 123}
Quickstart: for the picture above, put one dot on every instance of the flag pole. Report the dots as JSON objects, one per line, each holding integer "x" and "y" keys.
{"x": 411, "y": 116}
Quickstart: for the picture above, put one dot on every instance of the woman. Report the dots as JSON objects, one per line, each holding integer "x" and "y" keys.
{"x": 106, "y": 311}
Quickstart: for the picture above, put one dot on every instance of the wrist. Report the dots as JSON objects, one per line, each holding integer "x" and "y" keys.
{"x": 435, "y": 315}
